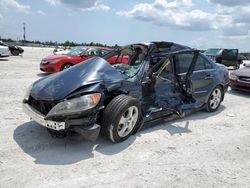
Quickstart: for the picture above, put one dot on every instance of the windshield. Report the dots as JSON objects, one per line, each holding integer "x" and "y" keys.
{"x": 76, "y": 51}
{"x": 127, "y": 60}
{"x": 92, "y": 52}
{"x": 213, "y": 51}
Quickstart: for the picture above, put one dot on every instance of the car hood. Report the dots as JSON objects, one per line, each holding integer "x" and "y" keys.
{"x": 245, "y": 71}
{"x": 64, "y": 52}
{"x": 55, "y": 57}
{"x": 60, "y": 85}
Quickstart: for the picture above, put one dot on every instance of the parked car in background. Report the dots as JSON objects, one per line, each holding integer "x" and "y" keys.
{"x": 59, "y": 49}
{"x": 162, "y": 80}
{"x": 57, "y": 63}
{"x": 15, "y": 50}
{"x": 4, "y": 51}
{"x": 240, "y": 79}
{"x": 227, "y": 57}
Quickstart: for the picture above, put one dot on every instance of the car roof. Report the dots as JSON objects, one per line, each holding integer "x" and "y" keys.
{"x": 163, "y": 47}
{"x": 100, "y": 47}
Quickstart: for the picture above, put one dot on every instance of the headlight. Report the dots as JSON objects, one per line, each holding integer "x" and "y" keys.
{"x": 27, "y": 94}
{"x": 233, "y": 77}
{"x": 53, "y": 61}
{"x": 77, "y": 105}
{"x": 49, "y": 61}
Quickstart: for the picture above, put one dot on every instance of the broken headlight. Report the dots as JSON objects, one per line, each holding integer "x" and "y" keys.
{"x": 76, "y": 105}
{"x": 233, "y": 77}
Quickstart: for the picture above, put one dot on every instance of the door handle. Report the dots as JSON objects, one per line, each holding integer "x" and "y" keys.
{"x": 207, "y": 77}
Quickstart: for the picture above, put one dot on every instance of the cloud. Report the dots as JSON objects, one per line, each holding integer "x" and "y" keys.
{"x": 231, "y": 3}
{"x": 86, "y": 5}
{"x": 53, "y": 2}
{"x": 6, "y": 5}
{"x": 41, "y": 12}
{"x": 176, "y": 14}
{"x": 185, "y": 15}
{"x": 234, "y": 16}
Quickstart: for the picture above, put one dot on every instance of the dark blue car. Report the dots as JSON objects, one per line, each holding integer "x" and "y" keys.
{"x": 162, "y": 80}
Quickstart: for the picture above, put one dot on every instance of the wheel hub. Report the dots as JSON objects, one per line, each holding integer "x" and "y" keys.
{"x": 128, "y": 121}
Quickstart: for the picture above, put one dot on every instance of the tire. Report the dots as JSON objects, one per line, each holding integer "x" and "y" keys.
{"x": 237, "y": 66}
{"x": 215, "y": 99}
{"x": 120, "y": 118}
{"x": 66, "y": 66}
{"x": 15, "y": 52}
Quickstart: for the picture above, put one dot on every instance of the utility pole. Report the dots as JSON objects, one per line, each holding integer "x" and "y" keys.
{"x": 24, "y": 28}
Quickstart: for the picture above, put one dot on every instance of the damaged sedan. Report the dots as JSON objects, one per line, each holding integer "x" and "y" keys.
{"x": 159, "y": 80}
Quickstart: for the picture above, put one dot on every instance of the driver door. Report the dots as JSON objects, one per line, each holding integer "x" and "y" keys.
{"x": 160, "y": 95}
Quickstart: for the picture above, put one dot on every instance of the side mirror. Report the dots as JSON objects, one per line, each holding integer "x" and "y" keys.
{"x": 82, "y": 55}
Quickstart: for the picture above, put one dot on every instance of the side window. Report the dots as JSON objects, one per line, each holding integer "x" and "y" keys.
{"x": 202, "y": 64}
{"x": 230, "y": 52}
{"x": 93, "y": 52}
{"x": 208, "y": 64}
{"x": 183, "y": 62}
{"x": 103, "y": 52}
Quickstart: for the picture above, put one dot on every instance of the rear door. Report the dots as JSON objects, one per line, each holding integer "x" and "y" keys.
{"x": 229, "y": 57}
{"x": 195, "y": 75}
{"x": 202, "y": 79}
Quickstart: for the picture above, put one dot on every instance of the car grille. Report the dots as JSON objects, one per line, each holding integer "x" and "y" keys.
{"x": 42, "y": 106}
{"x": 244, "y": 78}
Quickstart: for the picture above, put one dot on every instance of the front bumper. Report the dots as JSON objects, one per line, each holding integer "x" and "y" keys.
{"x": 40, "y": 118}
{"x": 88, "y": 132}
{"x": 5, "y": 53}
{"x": 48, "y": 68}
{"x": 240, "y": 85}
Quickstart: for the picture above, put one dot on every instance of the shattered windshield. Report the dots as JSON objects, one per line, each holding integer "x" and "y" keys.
{"x": 213, "y": 51}
{"x": 127, "y": 60}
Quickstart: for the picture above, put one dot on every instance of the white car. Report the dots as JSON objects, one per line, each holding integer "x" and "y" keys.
{"x": 62, "y": 52}
{"x": 4, "y": 51}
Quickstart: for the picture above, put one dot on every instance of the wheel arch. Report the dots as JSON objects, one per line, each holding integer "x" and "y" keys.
{"x": 66, "y": 63}
{"x": 222, "y": 89}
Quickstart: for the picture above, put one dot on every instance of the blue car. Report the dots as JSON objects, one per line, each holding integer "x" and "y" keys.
{"x": 148, "y": 81}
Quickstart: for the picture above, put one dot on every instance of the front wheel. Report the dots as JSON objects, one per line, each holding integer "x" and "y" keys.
{"x": 121, "y": 118}
{"x": 15, "y": 52}
{"x": 66, "y": 66}
{"x": 214, "y": 100}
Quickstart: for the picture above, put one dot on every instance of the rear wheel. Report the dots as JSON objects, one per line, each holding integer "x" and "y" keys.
{"x": 214, "y": 100}
{"x": 66, "y": 66}
{"x": 121, "y": 118}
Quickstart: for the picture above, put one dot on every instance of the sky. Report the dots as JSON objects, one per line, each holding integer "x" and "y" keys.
{"x": 199, "y": 24}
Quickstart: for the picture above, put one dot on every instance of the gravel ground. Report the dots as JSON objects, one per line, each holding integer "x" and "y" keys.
{"x": 201, "y": 150}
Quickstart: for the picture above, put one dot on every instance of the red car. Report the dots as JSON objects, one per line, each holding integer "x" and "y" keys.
{"x": 240, "y": 79}
{"x": 57, "y": 63}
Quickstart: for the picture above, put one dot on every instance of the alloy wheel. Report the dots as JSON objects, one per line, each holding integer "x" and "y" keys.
{"x": 128, "y": 121}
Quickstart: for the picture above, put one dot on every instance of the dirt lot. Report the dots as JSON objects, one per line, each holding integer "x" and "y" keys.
{"x": 201, "y": 150}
